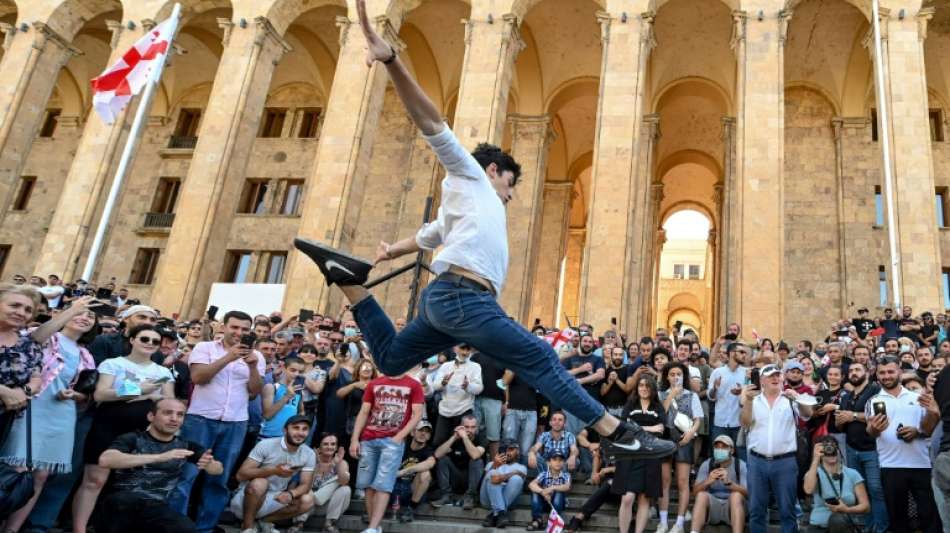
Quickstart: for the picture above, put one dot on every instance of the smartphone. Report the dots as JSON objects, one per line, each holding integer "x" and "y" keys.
{"x": 275, "y": 320}
{"x": 729, "y": 336}
{"x": 305, "y": 315}
{"x": 104, "y": 310}
{"x": 248, "y": 340}
{"x": 212, "y": 312}
{"x": 299, "y": 381}
{"x": 103, "y": 293}
{"x": 879, "y": 408}
{"x": 832, "y": 501}
{"x": 755, "y": 377}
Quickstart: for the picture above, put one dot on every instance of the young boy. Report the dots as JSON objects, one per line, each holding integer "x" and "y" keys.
{"x": 548, "y": 490}
{"x": 282, "y": 400}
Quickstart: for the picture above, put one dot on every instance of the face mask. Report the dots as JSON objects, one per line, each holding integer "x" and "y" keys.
{"x": 720, "y": 455}
{"x": 349, "y": 332}
{"x": 820, "y": 353}
{"x": 905, "y": 348}
{"x": 432, "y": 361}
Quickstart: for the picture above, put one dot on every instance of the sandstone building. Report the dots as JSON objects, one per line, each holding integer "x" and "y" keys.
{"x": 758, "y": 114}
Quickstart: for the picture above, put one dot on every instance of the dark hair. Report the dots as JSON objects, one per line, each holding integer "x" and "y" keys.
{"x": 155, "y": 405}
{"x": 782, "y": 346}
{"x": 766, "y": 340}
{"x": 327, "y": 434}
{"x": 808, "y": 343}
{"x": 240, "y": 315}
{"x": 557, "y": 412}
{"x": 665, "y": 381}
{"x": 646, "y": 340}
{"x": 134, "y": 332}
{"x": 292, "y": 360}
{"x": 659, "y": 350}
{"x": 633, "y": 400}
{"x": 487, "y": 154}
{"x": 309, "y": 348}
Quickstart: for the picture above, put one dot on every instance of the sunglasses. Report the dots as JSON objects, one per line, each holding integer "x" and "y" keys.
{"x": 154, "y": 341}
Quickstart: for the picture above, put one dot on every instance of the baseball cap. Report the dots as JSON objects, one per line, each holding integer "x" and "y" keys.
{"x": 769, "y": 370}
{"x": 138, "y": 309}
{"x": 792, "y": 365}
{"x": 725, "y": 439}
{"x": 296, "y": 419}
{"x": 509, "y": 443}
{"x": 424, "y": 424}
{"x": 556, "y": 455}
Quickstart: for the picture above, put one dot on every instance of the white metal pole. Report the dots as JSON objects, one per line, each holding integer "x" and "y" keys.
{"x": 129, "y": 150}
{"x": 885, "y": 138}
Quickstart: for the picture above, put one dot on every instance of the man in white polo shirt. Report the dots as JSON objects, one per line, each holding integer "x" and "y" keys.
{"x": 771, "y": 418}
{"x": 902, "y": 431}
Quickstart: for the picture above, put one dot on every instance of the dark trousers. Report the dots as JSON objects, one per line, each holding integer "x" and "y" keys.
{"x": 898, "y": 482}
{"x": 600, "y": 496}
{"x": 125, "y": 511}
{"x": 451, "y": 476}
{"x": 445, "y": 426}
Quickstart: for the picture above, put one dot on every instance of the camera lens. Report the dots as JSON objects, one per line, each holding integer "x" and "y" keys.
{"x": 829, "y": 449}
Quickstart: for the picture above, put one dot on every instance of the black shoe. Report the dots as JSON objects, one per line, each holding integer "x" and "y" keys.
{"x": 336, "y": 266}
{"x": 501, "y": 521}
{"x": 636, "y": 443}
{"x": 406, "y": 514}
{"x": 573, "y": 525}
{"x": 490, "y": 521}
{"x": 444, "y": 500}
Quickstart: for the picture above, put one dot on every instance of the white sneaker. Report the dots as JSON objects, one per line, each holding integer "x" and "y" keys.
{"x": 676, "y": 529}
{"x": 267, "y": 527}
{"x": 663, "y": 528}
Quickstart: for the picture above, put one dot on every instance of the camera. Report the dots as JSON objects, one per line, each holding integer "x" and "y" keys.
{"x": 248, "y": 340}
{"x": 829, "y": 449}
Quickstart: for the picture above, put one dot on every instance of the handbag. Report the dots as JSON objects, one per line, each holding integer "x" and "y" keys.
{"x": 16, "y": 487}
{"x": 680, "y": 420}
{"x": 86, "y": 381}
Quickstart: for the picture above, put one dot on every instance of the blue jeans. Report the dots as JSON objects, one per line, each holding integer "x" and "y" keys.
{"x": 499, "y": 497}
{"x": 451, "y": 313}
{"x": 778, "y": 478}
{"x": 867, "y": 465}
{"x": 224, "y": 439}
{"x": 488, "y": 413}
{"x": 379, "y": 464}
{"x": 540, "y": 507}
{"x": 522, "y": 427}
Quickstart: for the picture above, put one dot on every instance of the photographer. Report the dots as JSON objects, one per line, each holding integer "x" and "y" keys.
{"x": 839, "y": 492}
{"x": 720, "y": 488}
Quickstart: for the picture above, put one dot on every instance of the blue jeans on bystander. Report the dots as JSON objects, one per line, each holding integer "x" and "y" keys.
{"x": 867, "y": 465}
{"x": 540, "y": 506}
{"x": 772, "y": 477}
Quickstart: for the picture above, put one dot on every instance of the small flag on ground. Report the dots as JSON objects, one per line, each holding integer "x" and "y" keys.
{"x": 120, "y": 82}
{"x": 555, "y": 522}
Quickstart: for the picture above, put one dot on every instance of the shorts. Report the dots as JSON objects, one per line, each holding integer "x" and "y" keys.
{"x": 379, "y": 463}
{"x": 269, "y": 507}
{"x": 684, "y": 454}
{"x": 488, "y": 413}
{"x": 718, "y": 512}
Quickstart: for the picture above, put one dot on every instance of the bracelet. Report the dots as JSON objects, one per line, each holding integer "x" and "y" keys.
{"x": 391, "y": 58}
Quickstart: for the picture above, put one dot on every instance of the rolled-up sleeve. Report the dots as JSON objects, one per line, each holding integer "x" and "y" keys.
{"x": 454, "y": 157}
{"x": 429, "y": 236}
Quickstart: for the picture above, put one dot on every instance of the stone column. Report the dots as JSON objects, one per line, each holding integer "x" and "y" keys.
{"x": 29, "y": 71}
{"x": 573, "y": 268}
{"x": 335, "y": 194}
{"x": 555, "y": 217}
{"x": 89, "y": 175}
{"x": 711, "y": 275}
{"x": 491, "y": 46}
{"x": 837, "y": 125}
{"x": 618, "y": 189}
{"x": 646, "y": 223}
{"x": 194, "y": 255}
{"x": 660, "y": 313}
{"x": 652, "y": 258}
{"x": 759, "y": 161}
{"x": 727, "y": 193}
{"x": 530, "y": 139}
{"x": 917, "y": 233}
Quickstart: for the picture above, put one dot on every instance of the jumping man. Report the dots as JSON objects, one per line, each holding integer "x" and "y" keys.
{"x": 460, "y": 305}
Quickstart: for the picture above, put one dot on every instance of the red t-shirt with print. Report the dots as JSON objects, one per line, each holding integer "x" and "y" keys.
{"x": 391, "y": 400}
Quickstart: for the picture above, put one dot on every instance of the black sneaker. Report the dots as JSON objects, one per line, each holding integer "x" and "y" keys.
{"x": 636, "y": 443}
{"x": 444, "y": 500}
{"x": 501, "y": 521}
{"x": 337, "y": 267}
{"x": 490, "y": 521}
{"x": 573, "y": 525}
{"x": 406, "y": 514}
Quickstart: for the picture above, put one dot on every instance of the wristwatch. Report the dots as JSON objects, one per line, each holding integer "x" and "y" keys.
{"x": 854, "y": 416}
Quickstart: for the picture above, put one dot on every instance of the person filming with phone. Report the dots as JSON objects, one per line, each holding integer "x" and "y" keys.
{"x": 839, "y": 493}
{"x": 282, "y": 400}
{"x": 901, "y": 425}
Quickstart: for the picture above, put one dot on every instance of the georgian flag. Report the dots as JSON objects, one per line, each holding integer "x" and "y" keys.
{"x": 127, "y": 77}
{"x": 555, "y": 522}
{"x": 559, "y": 338}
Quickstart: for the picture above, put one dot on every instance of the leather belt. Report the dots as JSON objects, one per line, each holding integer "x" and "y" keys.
{"x": 463, "y": 281}
{"x": 773, "y": 457}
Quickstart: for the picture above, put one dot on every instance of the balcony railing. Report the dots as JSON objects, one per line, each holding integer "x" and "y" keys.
{"x": 159, "y": 220}
{"x": 182, "y": 142}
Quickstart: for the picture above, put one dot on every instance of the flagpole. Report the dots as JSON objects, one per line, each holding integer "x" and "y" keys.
{"x": 129, "y": 150}
{"x": 885, "y": 137}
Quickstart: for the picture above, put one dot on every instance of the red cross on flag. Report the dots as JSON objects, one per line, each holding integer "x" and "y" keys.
{"x": 120, "y": 82}
{"x": 559, "y": 338}
{"x": 555, "y": 522}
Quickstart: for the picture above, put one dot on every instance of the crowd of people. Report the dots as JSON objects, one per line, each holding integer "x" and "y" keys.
{"x": 144, "y": 423}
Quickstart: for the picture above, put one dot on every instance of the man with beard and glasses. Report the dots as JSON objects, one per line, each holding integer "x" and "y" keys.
{"x": 725, "y": 385}
{"x": 588, "y": 370}
{"x": 902, "y": 431}
{"x": 265, "y": 496}
{"x": 617, "y": 386}
{"x": 861, "y": 448}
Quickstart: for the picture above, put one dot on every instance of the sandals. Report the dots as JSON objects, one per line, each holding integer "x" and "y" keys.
{"x": 535, "y": 525}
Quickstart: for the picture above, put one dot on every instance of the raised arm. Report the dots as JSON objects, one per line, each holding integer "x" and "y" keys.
{"x": 420, "y": 108}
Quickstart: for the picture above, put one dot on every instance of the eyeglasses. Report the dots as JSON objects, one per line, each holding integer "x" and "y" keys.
{"x": 154, "y": 341}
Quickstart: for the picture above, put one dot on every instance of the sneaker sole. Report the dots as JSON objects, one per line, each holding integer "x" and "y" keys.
{"x": 307, "y": 243}
{"x": 624, "y": 453}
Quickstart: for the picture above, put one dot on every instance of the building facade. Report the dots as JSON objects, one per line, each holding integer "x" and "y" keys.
{"x": 759, "y": 114}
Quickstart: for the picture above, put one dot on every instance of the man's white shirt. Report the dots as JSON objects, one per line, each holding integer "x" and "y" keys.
{"x": 471, "y": 225}
{"x": 901, "y": 410}
{"x": 457, "y": 399}
{"x": 773, "y": 430}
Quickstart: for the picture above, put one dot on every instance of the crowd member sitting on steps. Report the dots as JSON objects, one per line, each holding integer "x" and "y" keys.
{"x": 839, "y": 493}
{"x": 602, "y": 477}
{"x": 504, "y": 479}
{"x": 331, "y": 480}
{"x": 556, "y": 440}
{"x": 720, "y": 488}
{"x": 460, "y": 463}
{"x": 415, "y": 471}
{"x": 549, "y": 490}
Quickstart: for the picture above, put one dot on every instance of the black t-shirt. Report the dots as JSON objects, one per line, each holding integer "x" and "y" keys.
{"x": 891, "y": 328}
{"x": 459, "y": 455}
{"x": 942, "y": 397}
{"x": 153, "y": 481}
{"x": 615, "y": 396}
{"x": 521, "y": 396}
{"x": 634, "y": 412}
{"x": 927, "y": 330}
{"x": 856, "y": 434}
{"x": 826, "y": 397}
{"x": 596, "y": 363}
{"x": 912, "y": 335}
{"x": 412, "y": 457}
{"x": 863, "y": 325}
{"x": 491, "y": 373}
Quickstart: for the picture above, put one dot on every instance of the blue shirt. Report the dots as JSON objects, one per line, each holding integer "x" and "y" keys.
{"x": 547, "y": 479}
{"x": 549, "y": 445}
{"x": 274, "y": 426}
{"x": 845, "y": 492}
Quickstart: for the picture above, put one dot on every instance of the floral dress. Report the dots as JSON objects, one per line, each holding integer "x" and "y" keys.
{"x": 18, "y": 364}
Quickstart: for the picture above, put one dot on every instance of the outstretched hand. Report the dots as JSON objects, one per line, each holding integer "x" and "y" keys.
{"x": 377, "y": 49}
